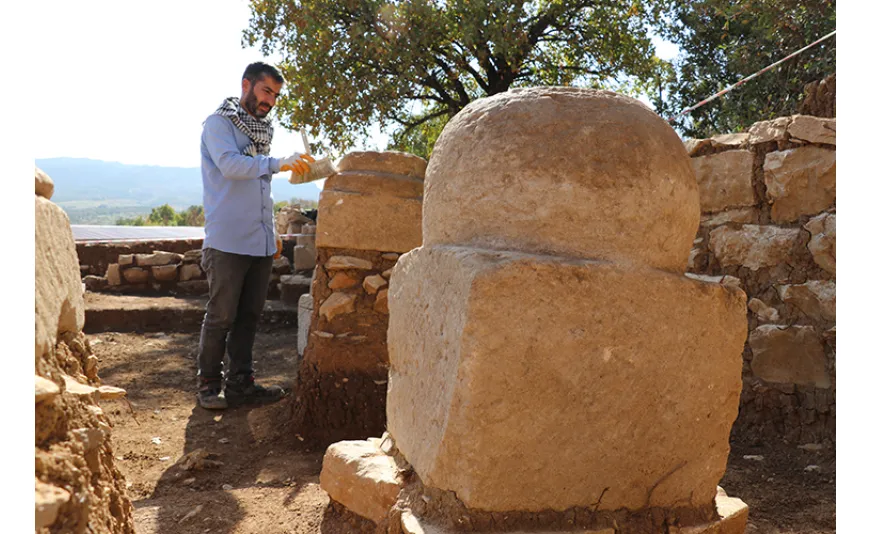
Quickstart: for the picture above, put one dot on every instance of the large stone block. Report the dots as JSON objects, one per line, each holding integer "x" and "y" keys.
{"x": 753, "y": 246}
{"x": 800, "y": 181}
{"x": 391, "y": 162}
{"x": 159, "y": 257}
{"x": 536, "y": 170}
{"x": 813, "y": 129}
{"x": 724, "y": 180}
{"x": 371, "y": 182}
{"x": 823, "y": 244}
{"x": 44, "y": 184}
{"x": 369, "y": 221}
{"x": 603, "y": 377}
{"x": 817, "y": 299}
{"x": 304, "y": 258}
{"x": 60, "y": 306}
{"x": 792, "y": 355}
{"x": 772, "y": 130}
{"x": 361, "y": 477}
{"x": 303, "y": 320}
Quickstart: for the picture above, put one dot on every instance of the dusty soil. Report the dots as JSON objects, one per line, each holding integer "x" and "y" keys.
{"x": 268, "y": 481}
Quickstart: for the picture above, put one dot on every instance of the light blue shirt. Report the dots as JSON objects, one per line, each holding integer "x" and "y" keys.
{"x": 236, "y": 192}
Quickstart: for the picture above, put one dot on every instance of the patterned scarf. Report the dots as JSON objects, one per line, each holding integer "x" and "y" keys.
{"x": 259, "y": 130}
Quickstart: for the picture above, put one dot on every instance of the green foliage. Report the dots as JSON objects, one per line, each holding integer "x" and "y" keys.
{"x": 165, "y": 215}
{"x": 403, "y": 64}
{"x": 301, "y": 202}
{"x": 724, "y": 41}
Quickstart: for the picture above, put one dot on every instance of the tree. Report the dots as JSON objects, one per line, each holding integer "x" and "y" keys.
{"x": 724, "y": 41}
{"x": 163, "y": 216}
{"x": 192, "y": 216}
{"x": 403, "y": 64}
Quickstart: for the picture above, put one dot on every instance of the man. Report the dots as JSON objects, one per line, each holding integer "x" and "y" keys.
{"x": 240, "y": 237}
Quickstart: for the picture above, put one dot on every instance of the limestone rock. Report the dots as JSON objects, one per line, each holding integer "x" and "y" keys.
{"x": 813, "y": 129}
{"x": 800, "y": 181}
{"x": 373, "y": 283}
{"x": 44, "y": 184}
{"x": 361, "y": 477}
{"x": 135, "y": 275}
{"x": 342, "y": 280}
{"x": 165, "y": 273}
{"x": 60, "y": 306}
{"x": 49, "y": 500}
{"x": 513, "y": 149}
{"x": 159, "y": 257}
{"x": 692, "y": 263}
{"x": 392, "y": 162}
{"x": 463, "y": 373}
{"x": 382, "y": 302}
{"x": 304, "y": 258}
{"x": 766, "y": 131}
{"x": 192, "y": 256}
{"x": 125, "y": 259}
{"x": 764, "y": 312}
{"x": 788, "y": 355}
{"x": 390, "y": 256}
{"x": 113, "y": 274}
{"x": 45, "y": 389}
{"x": 90, "y": 438}
{"x": 724, "y": 180}
{"x": 386, "y": 274}
{"x": 368, "y": 221}
{"x": 817, "y": 299}
{"x": 725, "y": 280}
{"x": 337, "y": 263}
{"x": 281, "y": 265}
{"x": 753, "y": 246}
{"x": 190, "y": 271}
{"x": 305, "y": 310}
{"x": 95, "y": 283}
{"x": 740, "y": 215}
{"x": 694, "y": 146}
{"x": 74, "y": 387}
{"x": 289, "y": 216}
{"x": 375, "y": 183}
{"x": 337, "y": 303}
{"x": 823, "y": 244}
{"x": 731, "y": 140}
{"x": 111, "y": 392}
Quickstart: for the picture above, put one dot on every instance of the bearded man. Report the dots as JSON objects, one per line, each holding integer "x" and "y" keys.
{"x": 240, "y": 236}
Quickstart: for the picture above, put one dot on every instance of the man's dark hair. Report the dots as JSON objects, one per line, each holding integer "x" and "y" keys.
{"x": 255, "y": 72}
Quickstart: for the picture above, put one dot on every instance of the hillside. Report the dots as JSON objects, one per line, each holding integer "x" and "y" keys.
{"x": 99, "y": 192}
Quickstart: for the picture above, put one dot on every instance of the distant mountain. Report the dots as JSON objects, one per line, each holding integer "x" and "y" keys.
{"x": 98, "y": 192}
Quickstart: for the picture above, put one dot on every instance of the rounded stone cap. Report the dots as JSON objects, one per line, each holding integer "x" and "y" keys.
{"x": 391, "y": 161}
{"x": 564, "y": 171}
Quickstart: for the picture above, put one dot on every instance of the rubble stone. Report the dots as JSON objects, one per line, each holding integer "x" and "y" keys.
{"x": 767, "y": 131}
{"x": 361, "y": 477}
{"x": 342, "y": 280}
{"x": 724, "y": 180}
{"x": 49, "y": 500}
{"x": 791, "y": 354}
{"x": 45, "y": 389}
{"x": 740, "y": 215}
{"x": 400, "y": 163}
{"x": 753, "y": 246}
{"x": 373, "y": 283}
{"x": 165, "y": 273}
{"x": 190, "y": 271}
{"x": 800, "y": 181}
{"x": 158, "y": 257}
{"x": 817, "y": 299}
{"x": 304, "y": 258}
{"x": 764, "y": 312}
{"x": 337, "y": 303}
{"x": 44, "y": 184}
{"x": 823, "y": 244}
{"x": 125, "y": 259}
{"x": 135, "y": 275}
{"x": 813, "y": 129}
{"x": 336, "y": 263}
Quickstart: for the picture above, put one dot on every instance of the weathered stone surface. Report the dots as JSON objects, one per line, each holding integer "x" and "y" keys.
{"x": 766, "y": 131}
{"x": 190, "y": 271}
{"x": 159, "y": 257}
{"x": 817, "y": 299}
{"x": 370, "y": 182}
{"x": 813, "y": 129}
{"x": 639, "y": 205}
{"x": 390, "y": 256}
{"x": 60, "y": 307}
{"x": 289, "y": 216}
{"x": 373, "y": 283}
{"x": 309, "y": 229}
{"x": 725, "y": 280}
{"x": 125, "y": 259}
{"x": 165, "y": 273}
{"x": 368, "y": 221}
{"x": 730, "y": 140}
{"x": 764, "y": 312}
{"x": 304, "y": 258}
{"x": 753, "y": 246}
{"x": 342, "y": 280}
{"x": 135, "y": 275}
{"x": 800, "y": 181}
{"x": 460, "y": 381}
{"x": 382, "y": 302}
{"x": 95, "y": 283}
{"x": 823, "y": 244}
{"x": 306, "y": 240}
{"x": 304, "y": 311}
{"x": 49, "y": 499}
{"x": 45, "y": 389}
{"x": 392, "y": 162}
{"x": 193, "y": 256}
{"x": 74, "y": 387}
{"x": 361, "y": 477}
{"x": 337, "y": 303}
{"x": 111, "y": 392}
{"x": 724, "y": 180}
{"x": 281, "y": 265}
{"x": 336, "y": 263}
{"x": 44, "y": 184}
{"x": 113, "y": 274}
{"x": 740, "y": 215}
{"x": 788, "y": 354}
{"x": 386, "y": 274}
{"x": 693, "y": 146}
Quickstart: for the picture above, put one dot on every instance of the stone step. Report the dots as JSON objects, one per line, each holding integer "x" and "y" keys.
{"x": 127, "y": 313}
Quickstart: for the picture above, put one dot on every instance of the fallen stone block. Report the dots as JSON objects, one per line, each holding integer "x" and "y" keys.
{"x": 361, "y": 477}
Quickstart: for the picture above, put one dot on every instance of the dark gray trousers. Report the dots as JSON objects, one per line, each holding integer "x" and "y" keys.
{"x": 237, "y": 288}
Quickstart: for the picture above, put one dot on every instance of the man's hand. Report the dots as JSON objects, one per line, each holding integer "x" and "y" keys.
{"x": 297, "y": 163}
{"x": 280, "y": 248}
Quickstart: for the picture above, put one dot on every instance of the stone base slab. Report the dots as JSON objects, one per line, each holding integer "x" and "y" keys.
{"x": 369, "y": 221}
{"x": 525, "y": 382}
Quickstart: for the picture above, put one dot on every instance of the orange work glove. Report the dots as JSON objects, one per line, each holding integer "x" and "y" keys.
{"x": 297, "y": 163}
{"x": 280, "y": 248}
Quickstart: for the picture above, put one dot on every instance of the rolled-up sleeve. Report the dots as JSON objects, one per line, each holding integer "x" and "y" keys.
{"x": 233, "y": 165}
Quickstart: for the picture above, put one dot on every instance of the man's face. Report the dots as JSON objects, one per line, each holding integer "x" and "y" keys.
{"x": 258, "y": 99}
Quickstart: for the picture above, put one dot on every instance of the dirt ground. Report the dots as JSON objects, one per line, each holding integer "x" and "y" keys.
{"x": 268, "y": 480}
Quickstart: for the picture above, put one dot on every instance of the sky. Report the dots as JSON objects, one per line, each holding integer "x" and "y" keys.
{"x": 133, "y": 81}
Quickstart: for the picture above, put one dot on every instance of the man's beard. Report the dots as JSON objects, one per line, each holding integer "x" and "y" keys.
{"x": 253, "y": 106}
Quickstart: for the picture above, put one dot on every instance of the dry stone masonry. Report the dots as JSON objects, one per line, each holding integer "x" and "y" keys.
{"x": 78, "y": 489}
{"x": 769, "y": 221}
{"x": 369, "y": 213}
{"x": 551, "y": 367}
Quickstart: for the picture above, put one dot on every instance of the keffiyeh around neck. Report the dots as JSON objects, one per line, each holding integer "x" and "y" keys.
{"x": 259, "y": 130}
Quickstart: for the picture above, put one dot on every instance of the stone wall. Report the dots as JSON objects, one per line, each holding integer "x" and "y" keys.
{"x": 78, "y": 488}
{"x": 768, "y": 203}
{"x": 94, "y": 258}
